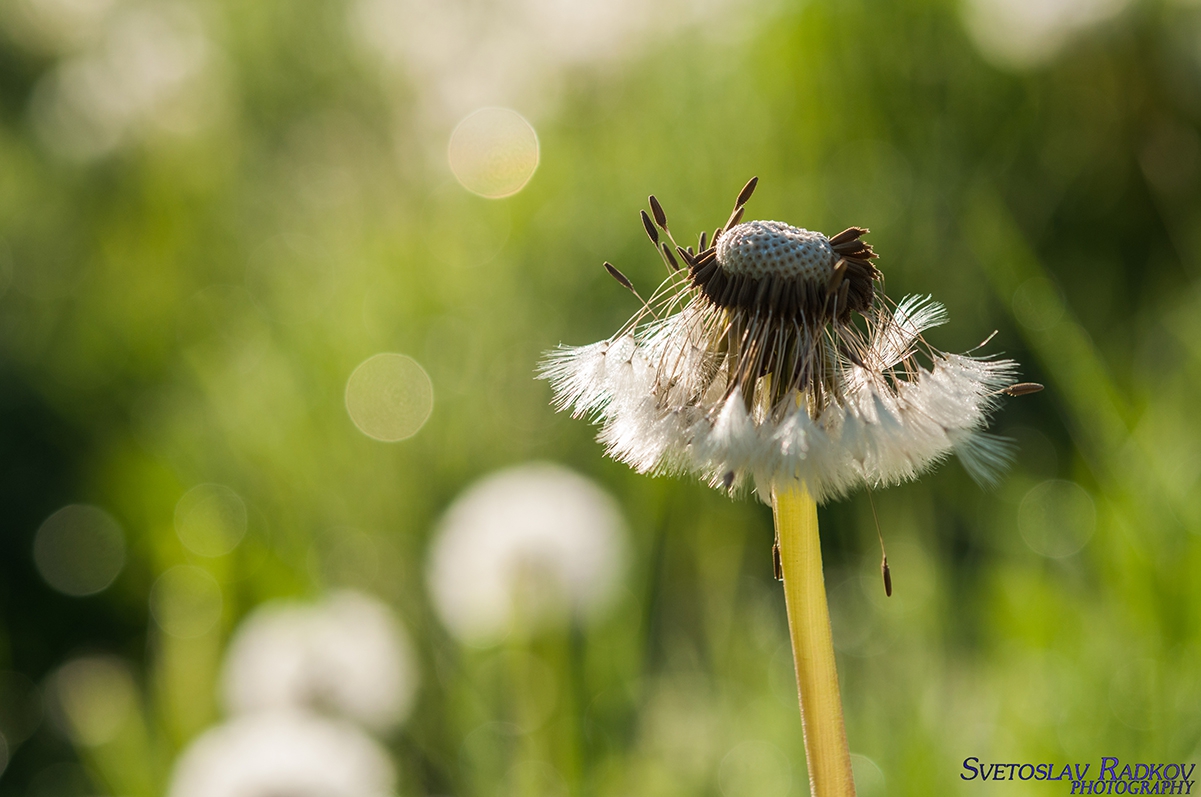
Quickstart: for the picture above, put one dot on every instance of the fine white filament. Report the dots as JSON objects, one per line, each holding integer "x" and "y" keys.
{"x": 666, "y": 404}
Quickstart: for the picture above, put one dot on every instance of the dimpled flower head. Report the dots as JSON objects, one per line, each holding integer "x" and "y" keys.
{"x": 771, "y": 355}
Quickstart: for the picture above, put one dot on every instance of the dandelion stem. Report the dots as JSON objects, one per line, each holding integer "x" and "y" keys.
{"x": 826, "y": 749}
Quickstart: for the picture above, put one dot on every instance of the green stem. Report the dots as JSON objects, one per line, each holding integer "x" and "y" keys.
{"x": 826, "y": 749}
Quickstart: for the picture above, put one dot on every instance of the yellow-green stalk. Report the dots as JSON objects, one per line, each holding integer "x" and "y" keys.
{"x": 826, "y": 750}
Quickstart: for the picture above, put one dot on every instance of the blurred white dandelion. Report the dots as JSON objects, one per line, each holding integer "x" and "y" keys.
{"x": 525, "y": 549}
{"x": 347, "y": 655}
{"x": 1023, "y": 34}
{"x": 283, "y": 753}
{"x": 464, "y": 54}
{"x": 146, "y": 70}
{"x": 54, "y": 26}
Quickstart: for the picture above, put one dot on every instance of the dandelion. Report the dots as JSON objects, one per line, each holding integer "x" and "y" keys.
{"x": 283, "y": 753}
{"x": 528, "y": 548}
{"x": 347, "y": 656}
{"x": 147, "y": 70}
{"x": 770, "y": 357}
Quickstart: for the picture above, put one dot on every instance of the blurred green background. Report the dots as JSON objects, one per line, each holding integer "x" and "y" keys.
{"x": 212, "y": 211}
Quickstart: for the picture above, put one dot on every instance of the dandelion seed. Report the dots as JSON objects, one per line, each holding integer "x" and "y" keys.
{"x": 657, "y": 209}
{"x": 617, "y": 275}
{"x": 1022, "y": 389}
{"x": 744, "y": 195}
{"x": 671, "y": 259}
{"x": 649, "y": 225}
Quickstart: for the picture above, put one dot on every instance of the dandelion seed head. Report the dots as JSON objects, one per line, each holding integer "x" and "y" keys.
{"x": 760, "y": 249}
{"x": 775, "y": 358}
{"x": 525, "y": 549}
{"x": 346, "y": 656}
{"x": 283, "y": 753}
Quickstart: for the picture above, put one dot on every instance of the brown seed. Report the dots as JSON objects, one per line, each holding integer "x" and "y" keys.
{"x": 858, "y": 268}
{"x": 735, "y": 217}
{"x": 657, "y": 209}
{"x": 707, "y": 284}
{"x": 887, "y": 573}
{"x": 773, "y": 300}
{"x": 702, "y": 274}
{"x": 745, "y": 194}
{"x": 725, "y": 288}
{"x": 1022, "y": 389}
{"x": 671, "y": 259}
{"x": 849, "y": 234}
{"x": 682, "y": 252}
{"x": 650, "y": 228}
{"x": 701, "y": 242}
{"x": 840, "y": 305}
{"x": 617, "y": 275}
{"x": 746, "y": 294}
{"x": 788, "y": 304}
{"x": 761, "y": 291}
{"x": 836, "y": 277}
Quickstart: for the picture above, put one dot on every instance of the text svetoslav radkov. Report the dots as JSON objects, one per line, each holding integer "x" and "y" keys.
{"x": 1112, "y": 777}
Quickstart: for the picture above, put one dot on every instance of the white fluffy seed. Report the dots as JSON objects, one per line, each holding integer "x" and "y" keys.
{"x": 759, "y": 249}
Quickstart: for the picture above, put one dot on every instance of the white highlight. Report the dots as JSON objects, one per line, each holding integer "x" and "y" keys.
{"x": 1023, "y": 34}
{"x": 463, "y": 54}
{"x": 493, "y": 152}
{"x": 96, "y": 696}
{"x": 146, "y": 72}
{"x": 346, "y": 655}
{"x": 525, "y": 549}
{"x": 267, "y": 755}
{"x": 53, "y": 26}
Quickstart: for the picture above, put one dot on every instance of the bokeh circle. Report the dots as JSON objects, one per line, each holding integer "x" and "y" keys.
{"x": 79, "y": 550}
{"x": 493, "y": 152}
{"x": 1057, "y": 518}
{"x": 210, "y": 520}
{"x": 389, "y": 397}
